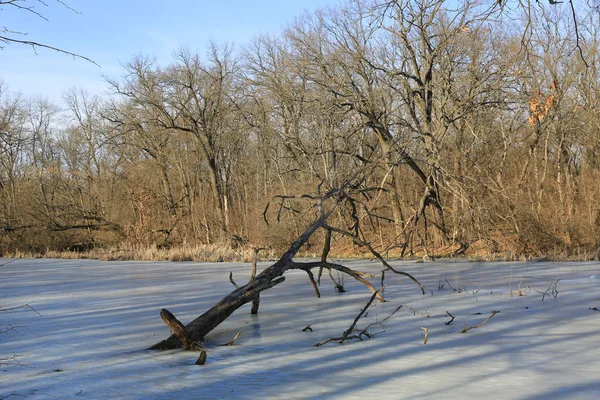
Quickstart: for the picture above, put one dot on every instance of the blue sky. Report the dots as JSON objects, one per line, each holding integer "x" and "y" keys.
{"x": 111, "y": 32}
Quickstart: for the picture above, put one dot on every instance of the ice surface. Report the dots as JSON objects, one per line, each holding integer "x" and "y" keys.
{"x": 98, "y": 317}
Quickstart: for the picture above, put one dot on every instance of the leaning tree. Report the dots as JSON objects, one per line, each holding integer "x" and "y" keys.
{"x": 347, "y": 199}
{"x": 386, "y": 69}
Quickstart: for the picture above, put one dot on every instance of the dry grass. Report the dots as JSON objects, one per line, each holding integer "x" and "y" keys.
{"x": 199, "y": 253}
{"x": 225, "y": 253}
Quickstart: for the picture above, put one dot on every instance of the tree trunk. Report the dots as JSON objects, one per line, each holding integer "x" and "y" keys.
{"x": 196, "y": 330}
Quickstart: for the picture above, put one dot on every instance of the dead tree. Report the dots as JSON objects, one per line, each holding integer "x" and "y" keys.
{"x": 192, "y": 334}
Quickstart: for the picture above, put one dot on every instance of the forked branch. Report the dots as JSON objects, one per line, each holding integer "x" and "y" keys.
{"x": 347, "y": 333}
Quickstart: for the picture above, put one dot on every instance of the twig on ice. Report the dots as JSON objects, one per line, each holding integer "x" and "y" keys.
{"x": 202, "y": 358}
{"x": 426, "y": 332}
{"x": 551, "y": 291}
{"x": 12, "y": 360}
{"x": 346, "y": 335}
{"x": 451, "y": 316}
{"x": 6, "y": 263}
{"x": 21, "y": 306}
{"x": 480, "y": 324}
{"x": 232, "y": 341}
{"x": 232, "y": 281}
{"x": 379, "y": 323}
{"x": 311, "y": 277}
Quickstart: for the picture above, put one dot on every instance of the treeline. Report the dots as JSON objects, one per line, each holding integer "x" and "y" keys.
{"x": 465, "y": 128}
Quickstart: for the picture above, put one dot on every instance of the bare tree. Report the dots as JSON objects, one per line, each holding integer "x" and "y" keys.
{"x": 11, "y": 35}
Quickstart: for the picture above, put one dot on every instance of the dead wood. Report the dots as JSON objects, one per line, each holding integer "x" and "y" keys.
{"x": 21, "y": 306}
{"x": 480, "y": 324}
{"x": 256, "y": 300}
{"x": 232, "y": 341}
{"x": 338, "y": 284}
{"x": 178, "y": 329}
{"x": 196, "y": 330}
{"x": 270, "y": 277}
{"x": 551, "y": 291}
{"x": 425, "y": 335}
{"x": 311, "y": 277}
{"x": 451, "y": 320}
{"x": 202, "y": 358}
{"x": 232, "y": 281}
{"x": 255, "y": 305}
{"x": 10, "y": 328}
{"x": 358, "y": 275}
{"x": 450, "y": 286}
{"x": 387, "y": 266}
{"x": 12, "y": 360}
{"x": 325, "y": 253}
{"x": 346, "y": 335}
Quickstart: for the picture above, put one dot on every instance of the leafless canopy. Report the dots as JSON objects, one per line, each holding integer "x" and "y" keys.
{"x": 36, "y": 7}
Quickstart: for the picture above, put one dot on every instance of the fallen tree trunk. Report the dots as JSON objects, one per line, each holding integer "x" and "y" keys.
{"x": 198, "y": 328}
{"x": 193, "y": 333}
{"x": 201, "y": 326}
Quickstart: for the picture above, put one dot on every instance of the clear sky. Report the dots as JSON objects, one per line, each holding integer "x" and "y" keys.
{"x": 111, "y": 32}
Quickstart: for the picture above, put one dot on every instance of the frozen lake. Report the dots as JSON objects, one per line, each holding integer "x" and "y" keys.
{"x": 91, "y": 321}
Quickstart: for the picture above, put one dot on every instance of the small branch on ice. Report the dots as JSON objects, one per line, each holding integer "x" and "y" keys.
{"x": 393, "y": 312}
{"x": 455, "y": 290}
{"x": 12, "y": 395}
{"x": 9, "y": 328}
{"x": 339, "y": 283}
{"x": 325, "y": 253}
{"x": 232, "y": 281}
{"x": 202, "y": 358}
{"x": 452, "y": 318}
{"x": 6, "y": 263}
{"x": 379, "y": 323}
{"x": 22, "y": 306}
{"x": 12, "y": 360}
{"x": 450, "y": 286}
{"x": 311, "y": 277}
{"x": 480, "y": 324}
{"x": 551, "y": 291}
{"x": 346, "y": 335}
{"x": 254, "y": 263}
{"x": 594, "y": 309}
{"x": 426, "y": 335}
{"x": 415, "y": 312}
{"x": 232, "y": 341}
{"x": 256, "y": 301}
{"x": 521, "y": 291}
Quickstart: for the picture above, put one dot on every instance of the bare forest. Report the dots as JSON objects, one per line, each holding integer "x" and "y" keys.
{"x": 413, "y": 128}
